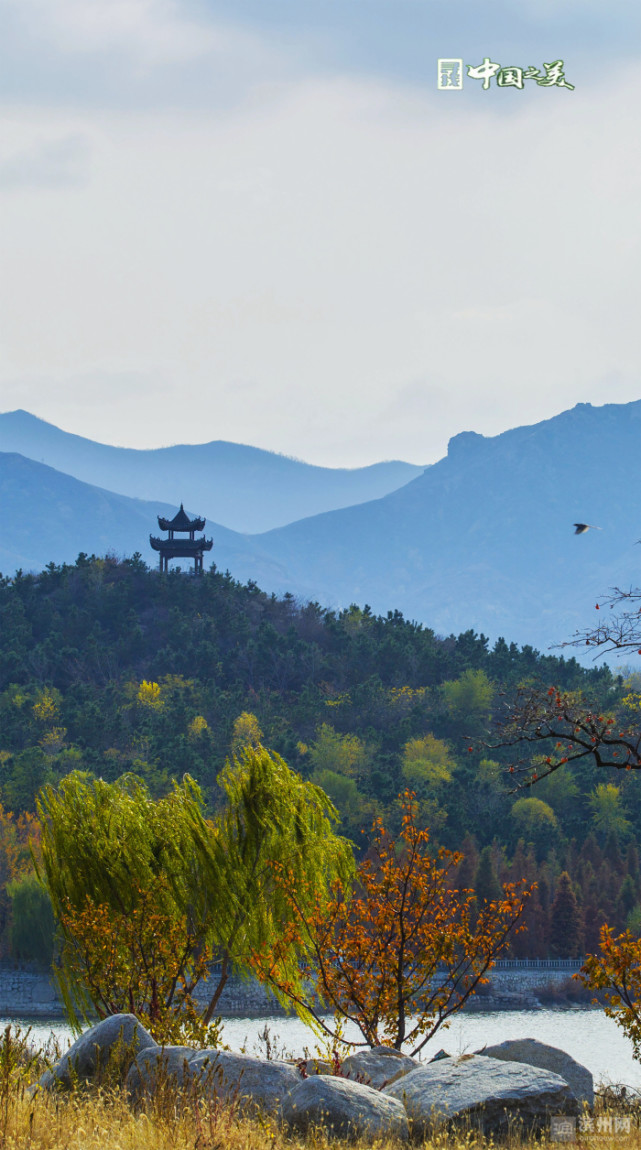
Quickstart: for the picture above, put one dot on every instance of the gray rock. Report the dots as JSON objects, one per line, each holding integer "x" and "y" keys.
{"x": 251, "y": 1082}
{"x": 486, "y": 1093}
{"x": 377, "y": 1067}
{"x": 156, "y": 1066}
{"x": 91, "y": 1054}
{"x": 344, "y": 1108}
{"x": 534, "y": 1053}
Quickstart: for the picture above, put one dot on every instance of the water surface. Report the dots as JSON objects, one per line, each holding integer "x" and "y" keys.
{"x": 590, "y": 1037}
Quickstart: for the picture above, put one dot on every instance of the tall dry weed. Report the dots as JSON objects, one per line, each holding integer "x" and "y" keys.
{"x": 103, "y": 1118}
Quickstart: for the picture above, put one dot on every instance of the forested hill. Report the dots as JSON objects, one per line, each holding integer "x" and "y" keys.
{"x": 110, "y": 667}
{"x": 88, "y": 635}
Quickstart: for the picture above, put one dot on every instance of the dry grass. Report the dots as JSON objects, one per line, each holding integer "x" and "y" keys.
{"x": 105, "y": 1121}
{"x": 102, "y": 1118}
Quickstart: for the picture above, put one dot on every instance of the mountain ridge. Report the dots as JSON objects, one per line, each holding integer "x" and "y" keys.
{"x": 483, "y": 539}
{"x": 246, "y": 489}
{"x": 52, "y": 517}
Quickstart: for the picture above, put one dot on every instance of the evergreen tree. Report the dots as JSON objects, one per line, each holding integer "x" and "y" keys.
{"x": 591, "y": 851}
{"x": 465, "y": 875}
{"x": 594, "y": 918}
{"x": 486, "y": 883}
{"x": 611, "y": 850}
{"x": 566, "y": 934}
{"x": 544, "y": 893}
{"x": 626, "y": 901}
{"x": 632, "y": 862}
{"x": 532, "y": 943}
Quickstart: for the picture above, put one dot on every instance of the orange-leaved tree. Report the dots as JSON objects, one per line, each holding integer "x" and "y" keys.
{"x": 146, "y": 961}
{"x": 617, "y": 972}
{"x": 402, "y": 950}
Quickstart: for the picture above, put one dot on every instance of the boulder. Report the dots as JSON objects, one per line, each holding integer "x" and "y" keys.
{"x": 120, "y": 1035}
{"x": 486, "y": 1093}
{"x": 344, "y": 1108}
{"x": 158, "y": 1065}
{"x": 535, "y": 1053}
{"x": 377, "y": 1067}
{"x": 251, "y": 1082}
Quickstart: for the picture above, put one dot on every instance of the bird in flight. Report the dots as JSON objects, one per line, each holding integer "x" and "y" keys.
{"x": 581, "y": 528}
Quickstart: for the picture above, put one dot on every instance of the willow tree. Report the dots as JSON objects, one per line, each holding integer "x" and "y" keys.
{"x": 149, "y": 894}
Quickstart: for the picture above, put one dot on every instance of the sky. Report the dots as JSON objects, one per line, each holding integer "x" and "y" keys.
{"x": 261, "y": 221}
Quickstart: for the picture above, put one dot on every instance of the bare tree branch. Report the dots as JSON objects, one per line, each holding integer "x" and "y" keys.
{"x": 620, "y": 632}
{"x": 564, "y": 729}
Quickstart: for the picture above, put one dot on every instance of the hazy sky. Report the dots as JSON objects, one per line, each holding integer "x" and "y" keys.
{"x": 259, "y": 220}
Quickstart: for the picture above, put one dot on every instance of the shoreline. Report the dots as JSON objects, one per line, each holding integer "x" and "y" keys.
{"x": 28, "y": 991}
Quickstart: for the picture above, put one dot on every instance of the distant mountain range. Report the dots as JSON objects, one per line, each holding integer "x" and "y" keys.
{"x": 483, "y": 539}
{"x": 51, "y": 517}
{"x": 244, "y": 488}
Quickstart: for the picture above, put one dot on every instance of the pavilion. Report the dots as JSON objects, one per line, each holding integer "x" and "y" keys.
{"x": 173, "y": 548}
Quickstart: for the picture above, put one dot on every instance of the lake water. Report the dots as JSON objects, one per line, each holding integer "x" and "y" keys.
{"x": 590, "y": 1037}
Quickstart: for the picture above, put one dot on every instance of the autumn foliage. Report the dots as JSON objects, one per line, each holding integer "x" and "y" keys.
{"x": 402, "y": 950}
{"x": 616, "y": 972}
{"x": 145, "y": 961}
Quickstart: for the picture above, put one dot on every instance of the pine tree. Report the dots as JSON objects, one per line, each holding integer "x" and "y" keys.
{"x": 544, "y": 893}
{"x": 566, "y": 934}
{"x": 486, "y": 883}
{"x": 626, "y": 901}
{"x": 594, "y": 918}
{"x": 632, "y": 862}
{"x": 532, "y": 943}
{"x": 467, "y": 870}
{"x": 611, "y": 850}
{"x": 591, "y": 851}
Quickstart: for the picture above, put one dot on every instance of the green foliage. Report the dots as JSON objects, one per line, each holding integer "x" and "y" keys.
{"x": 148, "y": 892}
{"x": 340, "y": 754}
{"x": 566, "y": 935}
{"x": 534, "y": 816}
{"x": 23, "y": 774}
{"x": 347, "y": 697}
{"x": 110, "y": 850}
{"x": 469, "y": 698}
{"x": 246, "y": 733}
{"x": 337, "y": 763}
{"x": 32, "y": 921}
{"x": 342, "y": 791}
{"x": 486, "y": 883}
{"x": 560, "y": 791}
{"x": 627, "y": 897}
{"x": 273, "y": 821}
{"x": 633, "y": 921}
{"x": 608, "y": 813}
{"x": 427, "y": 761}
